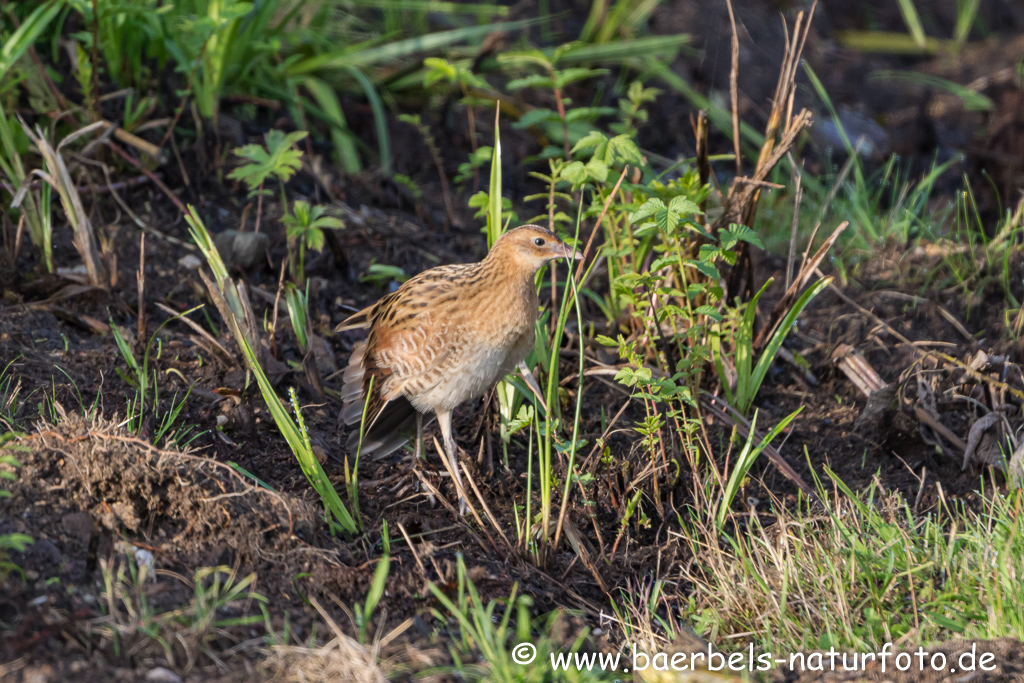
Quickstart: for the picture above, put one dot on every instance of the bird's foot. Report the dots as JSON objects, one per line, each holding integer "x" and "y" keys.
{"x": 419, "y": 482}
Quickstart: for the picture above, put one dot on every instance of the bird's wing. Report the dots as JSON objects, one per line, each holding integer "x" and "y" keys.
{"x": 356, "y": 321}
{"x": 407, "y": 344}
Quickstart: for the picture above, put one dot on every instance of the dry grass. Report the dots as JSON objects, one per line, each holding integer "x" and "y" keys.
{"x": 858, "y": 571}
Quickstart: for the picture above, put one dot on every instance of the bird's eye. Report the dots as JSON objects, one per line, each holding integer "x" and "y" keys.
{"x": 539, "y": 241}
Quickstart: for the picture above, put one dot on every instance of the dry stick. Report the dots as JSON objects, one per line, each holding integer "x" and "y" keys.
{"x": 112, "y": 189}
{"x": 462, "y": 494}
{"x": 771, "y": 152}
{"x": 863, "y": 311}
{"x": 197, "y": 328}
{"x": 729, "y": 415}
{"x": 94, "y": 189}
{"x": 140, "y": 278}
{"x": 184, "y": 98}
{"x": 415, "y": 555}
{"x": 277, "y": 301}
{"x": 734, "y": 90}
{"x": 797, "y": 196}
{"x": 181, "y": 164}
{"x": 19, "y": 235}
{"x": 700, "y": 133}
{"x": 149, "y": 174}
{"x": 483, "y": 503}
{"x": 794, "y": 289}
{"x": 597, "y": 226}
{"x": 96, "y": 57}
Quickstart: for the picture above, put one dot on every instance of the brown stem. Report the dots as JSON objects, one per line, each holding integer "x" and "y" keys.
{"x": 96, "y": 115}
{"x": 561, "y": 114}
{"x": 184, "y": 99}
{"x": 149, "y": 174}
{"x": 259, "y": 208}
{"x": 140, "y": 279}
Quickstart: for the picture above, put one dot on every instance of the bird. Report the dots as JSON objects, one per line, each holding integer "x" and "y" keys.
{"x": 444, "y": 337}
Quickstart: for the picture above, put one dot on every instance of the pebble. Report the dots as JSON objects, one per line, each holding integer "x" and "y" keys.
{"x": 190, "y": 262}
{"x": 162, "y": 675}
{"x": 43, "y": 673}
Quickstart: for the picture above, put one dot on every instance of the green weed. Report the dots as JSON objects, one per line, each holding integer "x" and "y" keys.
{"x": 236, "y": 313}
{"x": 16, "y": 542}
{"x": 487, "y": 643}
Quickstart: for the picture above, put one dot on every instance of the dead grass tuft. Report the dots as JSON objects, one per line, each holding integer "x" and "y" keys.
{"x": 342, "y": 660}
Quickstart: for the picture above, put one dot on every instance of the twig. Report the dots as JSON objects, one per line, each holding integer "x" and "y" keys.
{"x": 198, "y": 330}
{"x": 92, "y": 189}
{"x": 723, "y": 411}
{"x": 700, "y": 133}
{"x": 483, "y": 503}
{"x": 462, "y": 493}
{"x": 734, "y": 69}
{"x": 152, "y": 176}
{"x": 597, "y": 226}
{"x": 415, "y": 555}
{"x": 797, "y": 196}
{"x": 140, "y": 278}
{"x": 794, "y": 289}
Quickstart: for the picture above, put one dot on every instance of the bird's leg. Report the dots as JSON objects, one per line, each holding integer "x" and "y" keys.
{"x": 417, "y": 454}
{"x": 444, "y": 418}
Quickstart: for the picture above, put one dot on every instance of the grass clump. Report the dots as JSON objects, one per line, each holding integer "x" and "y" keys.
{"x": 860, "y": 571}
{"x": 234, "y": 308}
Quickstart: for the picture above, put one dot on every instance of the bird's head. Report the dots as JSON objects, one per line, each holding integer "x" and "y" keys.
{"x": 531, "y": 246}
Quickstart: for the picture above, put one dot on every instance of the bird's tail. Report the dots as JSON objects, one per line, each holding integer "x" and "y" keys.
{"x": 356, "y": 321}
{"x": 386, "y": 429}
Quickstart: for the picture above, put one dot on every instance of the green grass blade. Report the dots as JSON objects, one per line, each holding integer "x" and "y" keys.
{"x": 913, "y": 21}
{"x": 296, "y": 437}
{"x": 653, "y": 47}
{"x": 22, "y": 39}
{"x": 746, "y": 387}
{"x": 380, "y": 121}
{"x": 494, "y": 187}
{"x": 341, "y": 135}
{"x": 768, "y": 355}
{"x": 972, "y": 100}
{"x": 344, "y": 59}
{"x": 746, "y": 460}
{"x": 435, "y": 6}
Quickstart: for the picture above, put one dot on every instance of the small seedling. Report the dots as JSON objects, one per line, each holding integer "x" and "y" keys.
{"x": 305, "y": 226}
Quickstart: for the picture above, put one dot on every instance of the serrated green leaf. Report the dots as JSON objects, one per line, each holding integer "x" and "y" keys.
{"x": 709, "y": 311}
{"x": 659, "y": 263}
{"x": 593, "y": 140}
{"x": 622, "y": 149}
{"x": 646, "y": 209}
{"x": 683, "y": 206}
{"x": 575, "y": 172}
{"x": 739, "y": 233}
{"x": 597, "y": 170}
{"x": 705, "y": 268}
{"x": 708, "y": 253}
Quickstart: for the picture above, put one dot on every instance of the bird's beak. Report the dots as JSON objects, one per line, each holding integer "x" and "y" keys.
{"x": 569, "y": 253}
